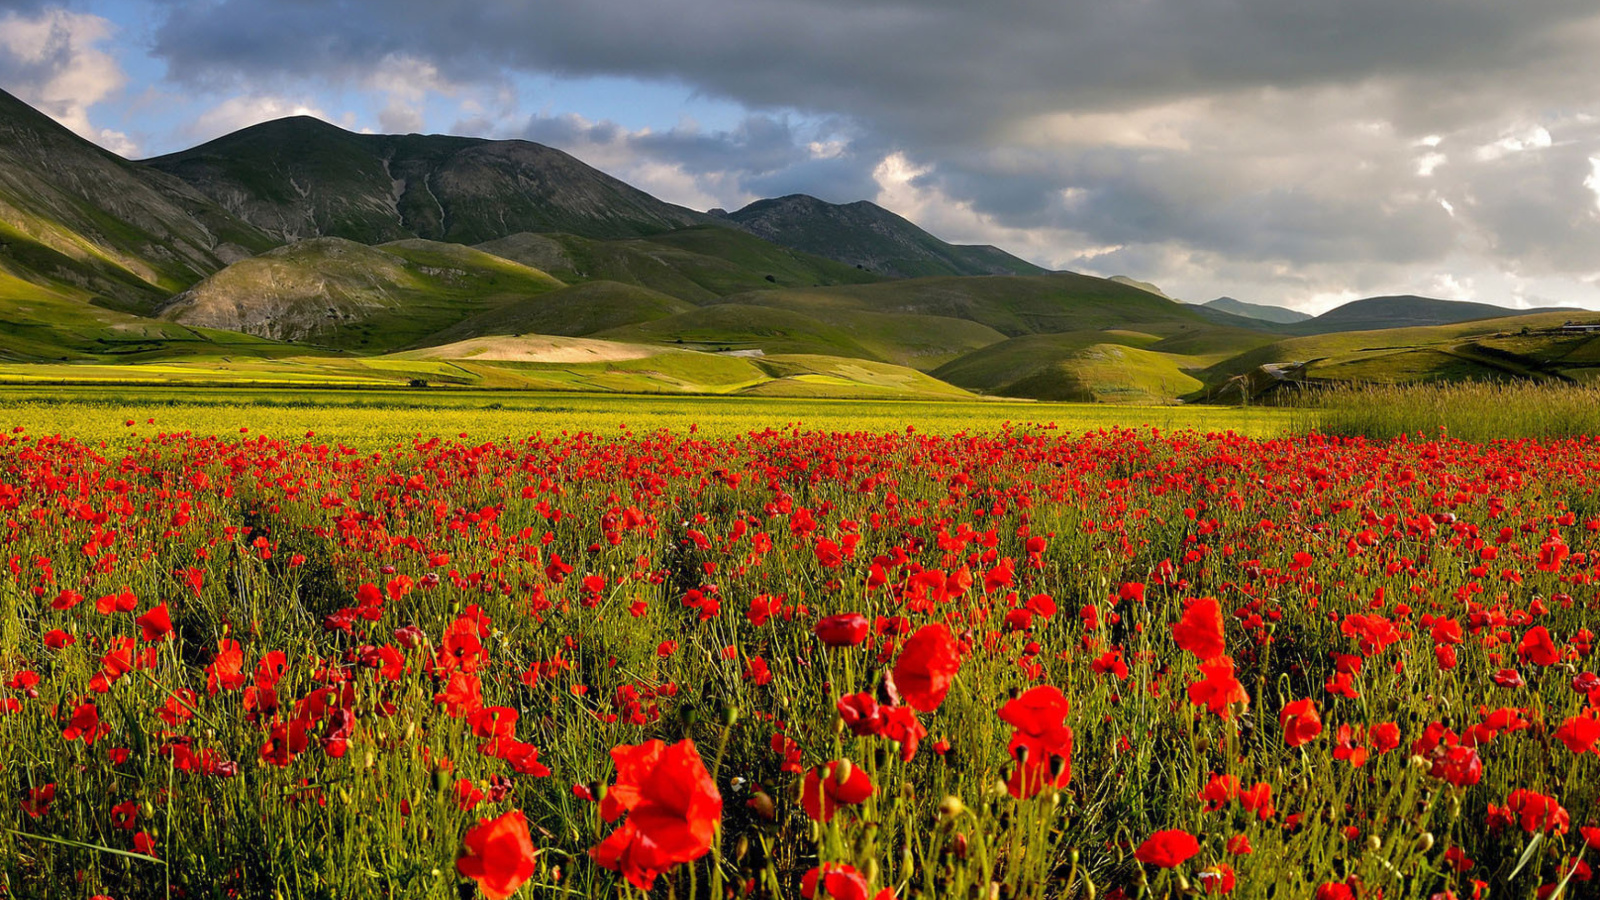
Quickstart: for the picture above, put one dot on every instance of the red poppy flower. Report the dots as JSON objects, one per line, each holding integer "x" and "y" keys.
{"x": 1167, "y": 849}
{"x": 1538, "y": 812}
{"x": 156, "y": 624}
{"x": 840, "y": 881}
{"x": 843, "y": 630}
{"x": 1218, "y": 690}
{"x": 37, "y": 803}
{"x": 673, "y": 808}
{"x": 1538, "y": 648}
{"x": 1300, "y": 722}
{"x": 1041, "y": 743}
{"x": 1218, "y": 879}
{"x": 499, "y": 855}
{"x": 836, "y": 784}
{"x": 926, "y": 667}
{"x": 1200, "y": 629}
{"x": 124, "y": 815}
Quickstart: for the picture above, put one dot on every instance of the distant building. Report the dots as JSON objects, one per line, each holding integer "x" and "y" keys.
{"x": 1577, "y": 328}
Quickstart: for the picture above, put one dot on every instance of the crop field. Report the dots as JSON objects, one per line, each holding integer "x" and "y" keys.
{"x": 373, "y": 419}
{"x": 399, "y": 645}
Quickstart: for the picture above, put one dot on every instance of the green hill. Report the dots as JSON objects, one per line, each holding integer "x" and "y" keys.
{"x": 1097, "y": 366}
{"x": 1404, "y": 311}
{"x": 1516, "y": 347}
{"x": 738, "y": 327}
{"x": 575, "y": 311}
{"x": 337, "y": 293}
{"x": 1011, "y": 305}
{"x": 698, "y": 264}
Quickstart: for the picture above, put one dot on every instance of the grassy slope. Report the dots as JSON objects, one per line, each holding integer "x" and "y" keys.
{"x": 741, "y": 327}
{"x": 698, "y": 264}
{"x": 1492, "y": 348}
{"x": 1404, "y": 311}
{"x": 581, "y": 309}
{"x": 337, "y": 293}
{"x": 1011, "y": 305}
{"x": 1108, "y": 366}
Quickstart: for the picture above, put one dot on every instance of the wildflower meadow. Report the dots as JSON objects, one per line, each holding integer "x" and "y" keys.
{"x": 862, "y": 665}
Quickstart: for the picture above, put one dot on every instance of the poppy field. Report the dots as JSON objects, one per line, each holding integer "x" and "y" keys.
{"x": 857, "y": 664}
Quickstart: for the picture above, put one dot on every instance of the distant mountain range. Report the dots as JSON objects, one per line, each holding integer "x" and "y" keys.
{"x": 303, "y": 252}
{"x": 1277, "y": 314}
{"x": 870, "y": 237}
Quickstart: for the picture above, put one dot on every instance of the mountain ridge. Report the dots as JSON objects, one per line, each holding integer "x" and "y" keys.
{"x": 866, "y": 235}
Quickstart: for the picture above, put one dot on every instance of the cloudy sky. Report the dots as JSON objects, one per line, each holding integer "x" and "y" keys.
{"x": 1295, "y": 152}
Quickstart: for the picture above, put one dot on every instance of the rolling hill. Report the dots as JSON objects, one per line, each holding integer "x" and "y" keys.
{"x": 1404, "y": 311}
{"x": 337, "y": 293}
{"x": 867, "y": 236}
{"x": 1529, "y": 347}
{"x": 1084, "y": 366}
{"x": 699, "y": 264}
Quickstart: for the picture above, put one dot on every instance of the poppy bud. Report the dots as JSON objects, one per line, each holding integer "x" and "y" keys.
{"x": 1058, "y": 765}
{"x": 960, "y": 845}
{"x": 1374, "y": 843}
{"x": 842, "y": 770}
{"x": 730, "y": 715}
{"x": 951, "y": 806}
{"x": 688, "y": 714}
{"x": 741, "y": 848}
{"x": 762, "y": 803}
{"x": 1425, "y": 843}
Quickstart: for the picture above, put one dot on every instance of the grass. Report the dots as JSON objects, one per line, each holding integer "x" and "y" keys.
{"x": 1485, "y": 349}
{"x": 1087, "y": 366}
{"x": 579, "y": 310}
{"x": 331, "y": 292}
{"x": 372, "y": 418}
{"x": 700, "y": 566}
{"x": 1467, "y": 411}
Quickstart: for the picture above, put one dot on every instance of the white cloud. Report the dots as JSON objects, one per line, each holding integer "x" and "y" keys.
{"x": 1535, "y": 138}
{"x": 245, "y": 110}
{"x": 405, "y": 82}
{"x": 53, "y": 60}
{"x": 1430, "y": 161}
{"x": 1593, "y": 181}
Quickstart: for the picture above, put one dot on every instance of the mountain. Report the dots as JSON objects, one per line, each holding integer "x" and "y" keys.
{"x": 337, "y": 293}
{"x": 1275, "y": 314}
{"x": 79, "y": 223}
{"x": 1405, "y": 311}
{"x": 301, "y": 177}
{"x": 698, "y": 264}
{"x": 1143, "y": 286}
{"x": 867, "y": 236}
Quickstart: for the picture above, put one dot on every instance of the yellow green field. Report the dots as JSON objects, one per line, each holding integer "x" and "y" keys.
{"x": 377, "y": 417}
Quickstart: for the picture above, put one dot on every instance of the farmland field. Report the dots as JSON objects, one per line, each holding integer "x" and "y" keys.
{"x": 323, "y": 645}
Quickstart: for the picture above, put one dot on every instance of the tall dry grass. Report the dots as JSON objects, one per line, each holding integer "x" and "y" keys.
{"x": 1471, "y": 411}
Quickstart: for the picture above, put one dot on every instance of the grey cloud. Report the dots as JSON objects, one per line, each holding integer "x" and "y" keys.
{"x": 1264, "y": 133}
{"x": 762, "y": 156}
